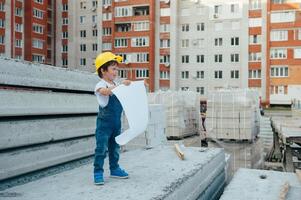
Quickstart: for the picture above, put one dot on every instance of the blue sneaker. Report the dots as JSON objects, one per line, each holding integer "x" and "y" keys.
{"x": 119, "y": 173}
{"x": 98, "y": 179}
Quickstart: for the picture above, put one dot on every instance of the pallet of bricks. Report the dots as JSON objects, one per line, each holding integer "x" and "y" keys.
{"x": 233, "y": 114}
{"x": 182, "y": 112}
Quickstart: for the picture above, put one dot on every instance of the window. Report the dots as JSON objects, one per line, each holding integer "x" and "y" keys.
{"x": 106, "y": 16}
{"x": 164, "y": 59}
{"x": 94, "y": 17}
{"x": 234, "y": 57}
{"x": 165, "y": 43}
{"x": 64, "y": 62}
{"x": 141, "y": 26}
{"x": 82, "y": 5}
{"x": 218, "y": 74}
{"x": 18, "y": 11}
{"x": 200, "y": 26}
{"x": 234, "y": 41}
{"x": 164, "y": 75}
{"x": 218, "y": 41}
{"x": 38, "y": 13}
{"x": 64, "y": 48}
{"x": 1, "y": 6}
{"x": 185, "y": 74}
{"x": 185, "y": 27}
{"x": 38, "y": 58}
{"x": 94, "y": 4}
{"x": 65, "y": 21}
{"x": 299, "y": 34}
{"x": 122, "y": 73}
{"x": 200, "y": 90}
{"x": 255, "y": 22}
{"x": 140, "y": 57}
{"x": 106, "y": 46}
{"x": 279, "y": 89}
{"x": 284, "y": 16}
{"x": 19, "y": 43}
{"x": 255, "y": 39}
{"x": 297, "y": 53}
{"x": 121, "y": 42}
{"x": 123, "y": 11}
{"x": 106, "y": 31}
{"x": 234, "y": 8}
{"x": 255, "y": 4}
{"x": 255, "y": 74}
{"x": 142, "y": 73}
{"x": 94, "y": 47}
{"x": 83, "y": 33}
{"x": 2, "y": 23}
{"x": 279, "y": 35}
{"x": 94, "y": 32}
{"x": 218, "y": 26}
{"x": 218, "y": 58}
{"x": 2, "y": 39}
{"x": 234, "y": 74}
{"x": 65, "y": 7}
{"x": 200, "y": 74}
{"x": 254, "y": 57}
{"x": 200, "y": 58}
{"x": 19, "y": 27}
{"x": 82, "y": 47}
{"x": 185, "y": 59}
{"x": 65, "y": 35}
{"x": 82, "y": 19}
{"x": 217, "y": 9}
{"x": 278, "y": 53}
{"x": 37, "y": 28}
{"x": 37, "y": 44}
{"x": 185, "y": 43}
{"x": 280, "y": 71}
{"x": 199, "y": 43}
{"x": 164, "y": 12}
{"x": 39, "y": 1}
{"x": 82, "y": 61}
{"x": 140, "y": 42}
{"x": 106, "y": 2}
{"x": 164, "y": 28}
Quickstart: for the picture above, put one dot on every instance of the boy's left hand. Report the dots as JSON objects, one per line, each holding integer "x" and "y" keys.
{"x": 126, "y": 82}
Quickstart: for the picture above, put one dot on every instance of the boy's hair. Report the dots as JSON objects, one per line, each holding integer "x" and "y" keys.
{"x": 105, "y": 67}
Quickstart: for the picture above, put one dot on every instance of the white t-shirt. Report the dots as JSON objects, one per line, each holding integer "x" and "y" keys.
{"x": 103, "y": 100}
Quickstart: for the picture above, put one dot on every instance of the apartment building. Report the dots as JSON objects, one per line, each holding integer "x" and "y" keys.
{"x": 27, "y": 30}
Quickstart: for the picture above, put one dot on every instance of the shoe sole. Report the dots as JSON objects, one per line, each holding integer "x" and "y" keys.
{"x": 119, "y": 177}
{"x": 102, "y": 183}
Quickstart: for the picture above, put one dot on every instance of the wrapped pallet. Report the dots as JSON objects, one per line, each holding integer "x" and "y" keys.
{"x": 233, "y": 114}
{"x": 182, "y": 112}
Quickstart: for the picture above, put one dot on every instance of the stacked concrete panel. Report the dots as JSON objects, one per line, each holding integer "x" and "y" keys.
{"x": 233, "y": 114}
{"x": 157, "y": 173}
{"x": 266, "y": 134}
{"x": 254, "y": 184}
{"x": 155, "y": 132}
{"x": 182, "y": 112}
{"x": 47, "y": 116}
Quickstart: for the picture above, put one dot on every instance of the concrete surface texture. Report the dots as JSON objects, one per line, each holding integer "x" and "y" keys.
{"x": 154, "y": 174}
{"x": 254, "y": 184}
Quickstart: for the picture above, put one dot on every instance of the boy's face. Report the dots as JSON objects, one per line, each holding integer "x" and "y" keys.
{"x": 112, "y": 72}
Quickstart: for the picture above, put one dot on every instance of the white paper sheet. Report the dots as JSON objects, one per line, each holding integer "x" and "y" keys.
{"x": 133, "y": 99}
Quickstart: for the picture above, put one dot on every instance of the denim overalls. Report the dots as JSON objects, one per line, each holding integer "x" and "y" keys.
{"x": 108, "y": 125}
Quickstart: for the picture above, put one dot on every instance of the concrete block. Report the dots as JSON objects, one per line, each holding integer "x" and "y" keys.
{"x": 30, "y": 159}
{"x": 23, "y": 103}
{"x": 27, "y": 132}
{"x": 249, "y": 184}
{"x": 20, "y": 73}
{"x": 154, "y": 174}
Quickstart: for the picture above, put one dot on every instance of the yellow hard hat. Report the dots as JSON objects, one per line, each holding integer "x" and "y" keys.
{"x": 106, "y": 57}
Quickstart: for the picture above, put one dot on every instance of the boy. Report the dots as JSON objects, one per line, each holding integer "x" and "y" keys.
{"x": 108, "y": 122}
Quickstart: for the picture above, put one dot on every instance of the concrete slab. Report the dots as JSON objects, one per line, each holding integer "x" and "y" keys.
{"x": 247, "y": 184}
{"x": 44, "y": 76}
{"x": 27, "y": 132}
{"x": 154, "y": 174}
{"x": 23, "y": 103}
